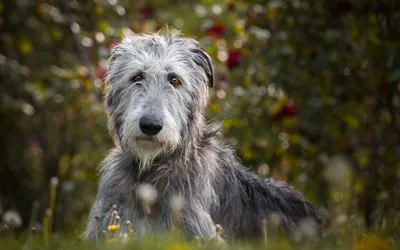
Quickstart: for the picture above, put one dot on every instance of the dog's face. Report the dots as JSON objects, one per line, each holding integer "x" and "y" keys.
{"x": 157, "y": 85}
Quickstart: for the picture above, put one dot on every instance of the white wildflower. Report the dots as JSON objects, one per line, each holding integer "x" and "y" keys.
{"x": 54, "y": 181}
{"x": 177, "y": 202}
{"x": 275, "y": 219}
{"x": 308, "y": 228}
{"x": 147, "y": 193}
{"x": 12, "y": 218}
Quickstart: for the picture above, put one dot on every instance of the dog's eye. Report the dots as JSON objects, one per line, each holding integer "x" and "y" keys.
{"x": 137, "y": 78}
{"x": 175, "y": 81}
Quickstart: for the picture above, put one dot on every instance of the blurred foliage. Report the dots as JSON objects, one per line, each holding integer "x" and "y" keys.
{"x": 308, "y": 91}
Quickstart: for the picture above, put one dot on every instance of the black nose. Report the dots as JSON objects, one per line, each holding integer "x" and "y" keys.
{"x": 150, "y": 125}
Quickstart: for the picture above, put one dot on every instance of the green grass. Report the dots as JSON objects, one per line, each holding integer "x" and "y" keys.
{"x": 343, "y": 233}
{"x": 69, "y": 240}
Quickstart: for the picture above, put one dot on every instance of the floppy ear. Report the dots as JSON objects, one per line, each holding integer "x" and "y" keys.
{"x": 204, "y": 61}
{"x": 115, "y": 54}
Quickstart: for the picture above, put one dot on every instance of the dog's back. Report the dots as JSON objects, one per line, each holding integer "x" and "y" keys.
{"x": 248, "y": 205}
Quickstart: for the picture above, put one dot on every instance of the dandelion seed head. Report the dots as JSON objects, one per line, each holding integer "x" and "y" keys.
{"x": 275, "y": 219}
{"x": 47, "y": 212}
{"x": 177, "y": 202}
{"x": 12, "y": 219}
{"x": 54, "y": 181}
{"x": 147, "y": 193}
{"x": 308, "y": 228}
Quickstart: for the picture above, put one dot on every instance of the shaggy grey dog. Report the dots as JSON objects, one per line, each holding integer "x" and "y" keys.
{"x": 157, "y": 95}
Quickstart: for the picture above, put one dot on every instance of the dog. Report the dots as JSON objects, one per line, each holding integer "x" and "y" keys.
{"x": 156, "y": 98}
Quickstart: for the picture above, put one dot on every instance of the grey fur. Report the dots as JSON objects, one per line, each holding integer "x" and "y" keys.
{"x": 186, "y": 157}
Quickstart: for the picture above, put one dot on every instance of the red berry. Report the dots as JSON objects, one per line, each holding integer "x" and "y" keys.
{"x": 233, "y": 58}
{"x": 217, "y": 31}
{"x": 286, "y": 111}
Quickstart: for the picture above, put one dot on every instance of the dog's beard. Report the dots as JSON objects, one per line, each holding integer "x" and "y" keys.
{"x": 145, "y": 151}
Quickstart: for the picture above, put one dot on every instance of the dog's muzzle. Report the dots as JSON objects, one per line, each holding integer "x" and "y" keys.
{"x": 150, "y": 125}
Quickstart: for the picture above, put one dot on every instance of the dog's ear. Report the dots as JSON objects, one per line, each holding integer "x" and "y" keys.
{"x": 204, "y": 60}
{"x": 115, "y": 53}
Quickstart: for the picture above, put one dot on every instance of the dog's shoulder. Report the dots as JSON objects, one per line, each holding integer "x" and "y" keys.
{"x": 117, "y": 165}
{"x": 115, "y": 158}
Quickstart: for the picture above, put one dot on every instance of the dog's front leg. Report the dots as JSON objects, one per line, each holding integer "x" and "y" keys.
{"x": 108, "y": 200}
{"x": 197, "y": 222}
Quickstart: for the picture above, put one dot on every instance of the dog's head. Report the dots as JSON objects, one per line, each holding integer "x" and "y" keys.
{"x": 157, "y": 87}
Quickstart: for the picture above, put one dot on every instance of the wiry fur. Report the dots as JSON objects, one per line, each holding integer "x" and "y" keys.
{"x": 186, "y": 156}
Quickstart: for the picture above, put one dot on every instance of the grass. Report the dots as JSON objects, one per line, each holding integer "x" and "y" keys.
{"x": 366, "y": 242}
{"x": 344, "y": 235}
{"x": 339, "y": 239}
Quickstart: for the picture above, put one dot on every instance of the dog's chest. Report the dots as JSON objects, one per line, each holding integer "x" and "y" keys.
{"x": 148, "y": 218}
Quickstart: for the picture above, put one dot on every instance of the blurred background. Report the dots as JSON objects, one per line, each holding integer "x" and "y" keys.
{"x": 309, "y": 92}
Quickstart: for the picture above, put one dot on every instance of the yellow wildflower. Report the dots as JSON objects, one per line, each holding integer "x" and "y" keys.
{"x": 112, "y": 228}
